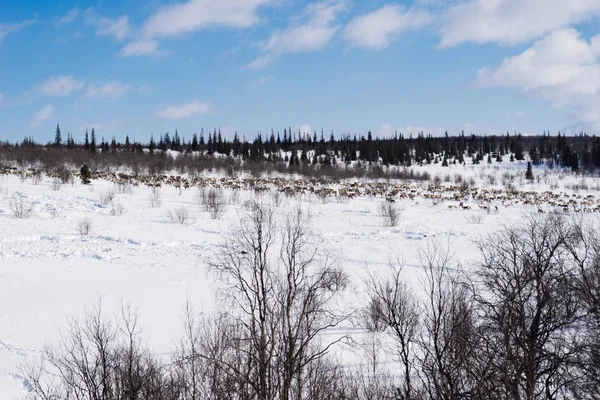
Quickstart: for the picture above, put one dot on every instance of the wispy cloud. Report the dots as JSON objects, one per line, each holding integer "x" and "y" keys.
{"x": 312, "y": 30}
{"x": 42, "y": 116}
{"x": 265, "y": 79}
{"x": 7, "y": 29}
{"x": 260, "y": 62}
{"x": 118, "y": 28}
{"x": 141, "y": 47}
{"x": 313, "y": 34}
{"x": 61, "y": 86}
{"x": 184, "y": 110}
{"x": 180, "y": 18}
{"x": 69, "y": 17}
{"x": 112, "y": 90}
{"x": 376, "y": 30}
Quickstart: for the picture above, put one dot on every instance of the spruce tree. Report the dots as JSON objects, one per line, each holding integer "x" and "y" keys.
{"x": 86, "y": 144}
{"x": 529, "y": 172}
{"x": 57, "y": 137}
{"x": 93, "y": 142}
{"x": 85, "y": 174}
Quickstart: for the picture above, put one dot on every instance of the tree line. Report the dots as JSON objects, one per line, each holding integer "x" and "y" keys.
{"x": 580, "y": 153}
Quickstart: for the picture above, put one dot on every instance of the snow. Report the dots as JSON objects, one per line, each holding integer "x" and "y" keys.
{"x": 48, "y": 271}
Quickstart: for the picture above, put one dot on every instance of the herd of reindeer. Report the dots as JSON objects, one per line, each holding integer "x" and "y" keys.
{"x": 448, "y": 195}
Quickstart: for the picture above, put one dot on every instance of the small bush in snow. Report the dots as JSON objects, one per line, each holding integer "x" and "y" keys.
{"x": 155, "y": 197}
{"x": 180, "y": 216}
{"x": 116, "y": 210}
{"x": 276, "y": 198}
{"x": 84, "y": 226}
{"x": 475, "y": 219}
{"x": 56, "y": 184}
{"x": 20, "y": 207}
{"x": 107, "y": 198}
{"x": 37, "y": 177}
{"x": 234, "y": 197}
{"x": 124, "y": 188}
{"x": 323, "y": 196}
{"x": 215, "y": 203}
{"x": 390, "y": 213}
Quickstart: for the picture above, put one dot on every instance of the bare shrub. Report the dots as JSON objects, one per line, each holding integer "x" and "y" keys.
{"x": 180, "y": 215}
{"x": 117, "y": 209}
{"x": 84, "y": 226}
{"x": 36, "y": 177}
{"x": 20, "y": 207}
{"x": 107, "y": 197}
{"x": 234, "y": 197}
{"x": 56, "y": 184}
{"x": 390, "y": 213}
{"x": 276, "y": 198}
{"x": 475, "y": 219}
{"x": 100, "y": 358}
{"x": 124, "y": 188}
{"x": 214, "y": 202}
{"x": 155, "y": 198}
{"x": 65, "y": 175}
{"x": 323, "y": 196}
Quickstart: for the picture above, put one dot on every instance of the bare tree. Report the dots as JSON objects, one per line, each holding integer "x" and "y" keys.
{"x": 279, "y": 307}
{"x": 393, "y": 307}
{"x": 530, "y": 311}
{"x": 452, "y": 363}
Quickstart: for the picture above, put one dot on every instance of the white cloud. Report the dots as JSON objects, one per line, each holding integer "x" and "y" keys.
{"x": 193, "y": 15}
{"x": 184, "y": 110}
{"x": 563, "y": 68}
{"x": 112, "y": 90}
{"x": 376, "y": 30}
{"x": 119, "y": 28}
{"x": 61, "y": 86}
{"x": 42, "y": 116}
{"x": 260, "y": 62}
{"x": 511, "y": 21}
{"x": 261, "y": 80}
{"x": 69, "y": 17}
{"x": 141, "y": 47}
{"x": 7, "y": 29}
{"x": 312, "y": 35}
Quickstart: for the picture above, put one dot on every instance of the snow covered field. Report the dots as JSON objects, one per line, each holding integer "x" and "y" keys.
{"x": 49, "y": 271}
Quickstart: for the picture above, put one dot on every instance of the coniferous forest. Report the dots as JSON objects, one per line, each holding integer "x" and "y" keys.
{"x": 303, "y": 153}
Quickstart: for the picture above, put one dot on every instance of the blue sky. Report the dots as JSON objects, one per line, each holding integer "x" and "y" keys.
{"x": 138, "y": 67}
